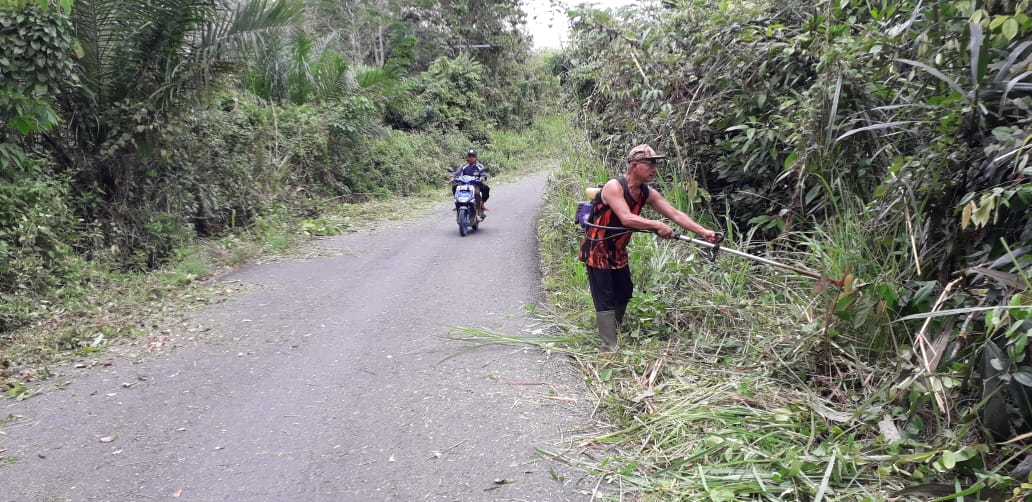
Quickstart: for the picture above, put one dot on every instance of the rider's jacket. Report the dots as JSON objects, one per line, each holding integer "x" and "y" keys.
{"x": 477, "y": 170}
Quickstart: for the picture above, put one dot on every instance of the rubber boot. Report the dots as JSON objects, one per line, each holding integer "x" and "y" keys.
{"x": 607, "y": 328}
{"x": 620, "y": 314}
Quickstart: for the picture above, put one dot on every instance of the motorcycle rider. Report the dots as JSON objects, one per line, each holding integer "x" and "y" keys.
{"x": 476, "y": 169}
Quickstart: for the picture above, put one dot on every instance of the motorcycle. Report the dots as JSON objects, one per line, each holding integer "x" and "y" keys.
{"x": 467, "y": 207}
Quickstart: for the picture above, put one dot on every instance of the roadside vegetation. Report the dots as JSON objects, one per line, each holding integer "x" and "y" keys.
{"x": 147, "y": 146}
{"x": 885, "y": 144}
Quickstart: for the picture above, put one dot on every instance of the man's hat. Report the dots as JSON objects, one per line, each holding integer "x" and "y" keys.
{"x": 471, "y": 152}
{"x": 643, "y": 152}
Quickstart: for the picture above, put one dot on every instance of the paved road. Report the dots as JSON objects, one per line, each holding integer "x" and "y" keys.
{"x": 328, "y": 381}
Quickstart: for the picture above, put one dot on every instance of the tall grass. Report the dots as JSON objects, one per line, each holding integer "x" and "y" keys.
{"x": 736, "y": 380}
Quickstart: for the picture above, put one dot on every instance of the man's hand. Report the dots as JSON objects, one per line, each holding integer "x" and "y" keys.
{"x": 664, "y": 231}
{"x": 710, "y": 236}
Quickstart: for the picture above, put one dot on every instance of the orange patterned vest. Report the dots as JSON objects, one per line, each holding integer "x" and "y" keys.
{"x": 607, "y": 249}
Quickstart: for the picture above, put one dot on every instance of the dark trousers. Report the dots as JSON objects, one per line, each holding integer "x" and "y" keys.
{"x": 611, "y": 289}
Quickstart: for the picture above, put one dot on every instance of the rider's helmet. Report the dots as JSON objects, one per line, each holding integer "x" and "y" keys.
{"x": 471, "y": 153}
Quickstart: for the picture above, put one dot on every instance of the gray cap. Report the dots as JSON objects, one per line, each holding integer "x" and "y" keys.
{"x": 643, "y": 152}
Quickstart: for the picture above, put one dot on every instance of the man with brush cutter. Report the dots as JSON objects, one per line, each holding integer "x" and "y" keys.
{"x": 615, "y": 211}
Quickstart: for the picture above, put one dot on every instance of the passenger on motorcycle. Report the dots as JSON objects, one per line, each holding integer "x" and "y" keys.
{"x": 474, "y": 168}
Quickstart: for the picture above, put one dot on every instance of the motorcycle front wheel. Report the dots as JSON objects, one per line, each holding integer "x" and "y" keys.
{"x": 462, "y": 215}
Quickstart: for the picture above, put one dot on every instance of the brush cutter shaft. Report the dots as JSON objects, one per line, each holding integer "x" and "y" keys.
{"x": 799, "y": 270}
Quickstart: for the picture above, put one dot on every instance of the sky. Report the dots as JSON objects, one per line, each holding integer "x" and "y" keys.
{"x": 550, "y": 29}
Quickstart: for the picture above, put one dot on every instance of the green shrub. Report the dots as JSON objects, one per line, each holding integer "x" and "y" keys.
{"x": 37, "y": 63}
{"x": 37, "y": 227}
{"x": 449, "y": 95}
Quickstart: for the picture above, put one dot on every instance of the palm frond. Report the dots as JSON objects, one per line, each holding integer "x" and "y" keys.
{"x": 372, "y": 77}
{"x": 233, "y": 35}
{"x": 103, "y": 28}
{"x": 142, "y": 57}
{"x": 330, "y": 70}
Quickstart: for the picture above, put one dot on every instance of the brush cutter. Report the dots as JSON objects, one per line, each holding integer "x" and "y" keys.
{"x": 713, "y": 248}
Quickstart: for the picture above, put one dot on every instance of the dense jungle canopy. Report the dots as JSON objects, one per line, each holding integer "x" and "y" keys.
{"x": 885, "y": 143}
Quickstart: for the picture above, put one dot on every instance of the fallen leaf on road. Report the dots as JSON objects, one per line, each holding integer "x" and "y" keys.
{"x": 177, "y": 493}
{"x": 107, "y": 439}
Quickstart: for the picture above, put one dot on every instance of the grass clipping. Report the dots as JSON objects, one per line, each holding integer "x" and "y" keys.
{"x": 675, "y": 426}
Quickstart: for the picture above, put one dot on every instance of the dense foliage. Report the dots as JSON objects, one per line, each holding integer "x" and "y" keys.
{"x": 131, "y": 128}
{"x": 885, "y": 143}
